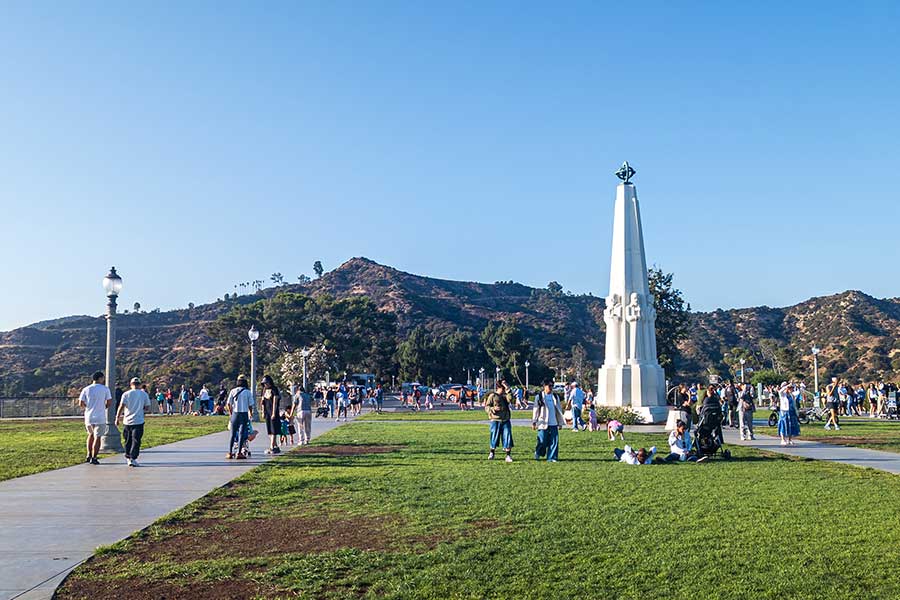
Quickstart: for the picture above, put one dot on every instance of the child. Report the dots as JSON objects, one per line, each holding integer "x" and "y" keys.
{"x": 593, "y": 425}
{"x": 614, "y": 428}
{"x": 630, "y": 457}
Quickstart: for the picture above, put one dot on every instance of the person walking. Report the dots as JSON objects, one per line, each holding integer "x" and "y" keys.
{"x": 221, "y": 399}
{"x": 301, "y": 413}
{"x": 95, "y": 400}
{"x": 788, "y": 422}
{"x": 576, "y": 399}
{"x": 161, "y": 401}
{"x": 379, "y": 398}
{"x": 496, "y": 405}
{"x": 204, "y": 399}
{"x": 547, "y": 419}
{"x": 239, "y": 406}
{"x": 746, "y": 406}
{"x": 185, "y": 398}
{"x": 833, "y": 403}
{"x": 131, "y": 414}
{"x": 170, "y": 402}
{"x": 271, "y": 408}
{"x": 730, "y": 396}
{"x": 329, "y": 398}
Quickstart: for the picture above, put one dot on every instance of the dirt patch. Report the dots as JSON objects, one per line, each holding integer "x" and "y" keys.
{"x": 277, "y": 535}
{"x": 345, "y": 450}
{"x": 139, "y": 589}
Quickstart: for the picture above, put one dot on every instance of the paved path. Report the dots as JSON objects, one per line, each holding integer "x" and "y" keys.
{"x": 51, "y": 522}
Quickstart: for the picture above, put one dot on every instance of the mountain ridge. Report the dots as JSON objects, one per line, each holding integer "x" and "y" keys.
{"x": 856, "y": 331}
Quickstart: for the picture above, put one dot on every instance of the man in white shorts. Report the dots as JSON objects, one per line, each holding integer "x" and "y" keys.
{"x": 95, "y": 400}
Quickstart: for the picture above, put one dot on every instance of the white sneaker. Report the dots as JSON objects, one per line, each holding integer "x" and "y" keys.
{"x": 134, "y": 463}
{"x": 837, "y": 428}
{"x": 743, "y": 439}
{"x": 828, "y": 428}
{"x": 508, "y": 458}
{"x": 783, "y": 443}
{"x": 128, "y": 462}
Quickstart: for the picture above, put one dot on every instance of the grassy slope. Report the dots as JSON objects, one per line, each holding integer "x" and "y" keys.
{"x": 862, "y": 432}
{"x": 39, "y": 445}
{"x": 438, "y": 415}
{"x": 761, "y": 526}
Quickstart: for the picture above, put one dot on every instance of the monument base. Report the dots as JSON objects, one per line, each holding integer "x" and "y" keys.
{"x": 638, "y": 387}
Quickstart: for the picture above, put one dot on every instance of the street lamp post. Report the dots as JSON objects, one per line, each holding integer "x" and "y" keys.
{"x": 743, "y": 360}
{"x": 480, "y": 381}
{"x": 112, "y": 283}
{"x": 305, "y": 355}
{"x": 496, "y": 376}
{"x": 468, "y": 376}
{"x": 253, "y": 334}
{"x": 527, "y": 364}
{"x": 815, "y": 353}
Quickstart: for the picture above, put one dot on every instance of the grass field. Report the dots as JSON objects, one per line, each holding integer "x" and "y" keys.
{"x": 438, "y": 415}
{"x": 863, "y": 432}
{"x": 32, "y": 446}
{"x": 378, "y": 510}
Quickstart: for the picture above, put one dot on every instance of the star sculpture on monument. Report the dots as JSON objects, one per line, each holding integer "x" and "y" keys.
{"x": 625, "y": 173}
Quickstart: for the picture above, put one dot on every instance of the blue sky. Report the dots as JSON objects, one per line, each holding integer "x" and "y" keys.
{"x": 195, "y": 145}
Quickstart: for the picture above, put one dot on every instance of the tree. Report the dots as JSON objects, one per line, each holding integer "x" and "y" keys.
{"x": 766, "y": 377}
{"x": 672, "y": 316}
{"x": 277, "y": 278}
{"x": 303, "y": 279}
{"x": 506, "y": 346}
{"x": 190, "y": 306}
{"x": 317, "y": 268}
{"x": 137, "y": 307}
{"x": 579, "y": 361}
{"x": 555, "y": 288}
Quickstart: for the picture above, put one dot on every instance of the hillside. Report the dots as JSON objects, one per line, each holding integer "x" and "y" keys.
{"x": 858, "y": 333}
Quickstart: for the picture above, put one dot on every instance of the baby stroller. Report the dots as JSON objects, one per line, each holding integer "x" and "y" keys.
{"x": 245, "y": 449}
{"x": 708, "y": 439}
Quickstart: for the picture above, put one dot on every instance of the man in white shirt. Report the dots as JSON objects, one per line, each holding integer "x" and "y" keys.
{"x": 547, "y": 419}
{"x": 131, "y": 412}
{"x": 239, "y": 406}
{"x": 95, "y": 399}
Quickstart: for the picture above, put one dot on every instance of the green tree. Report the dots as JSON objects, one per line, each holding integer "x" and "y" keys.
{"x": 672, "y": 316}
{"x": 555, "y": 288}
{"x": 506, "y": 346}
{"x": 317, "y": 268}
{"x": 766, "y": 377}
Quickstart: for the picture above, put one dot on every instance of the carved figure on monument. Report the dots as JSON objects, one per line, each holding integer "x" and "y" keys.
{"x": 650, "y": 313}
{"x": 612, "y": 316}
{"x": 633, "y": 316}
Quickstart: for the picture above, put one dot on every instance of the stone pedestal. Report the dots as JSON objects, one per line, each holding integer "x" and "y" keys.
{"x": 631, "y": 376}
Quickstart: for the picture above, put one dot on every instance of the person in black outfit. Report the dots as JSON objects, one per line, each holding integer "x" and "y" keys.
{"x": 271, "y": 408}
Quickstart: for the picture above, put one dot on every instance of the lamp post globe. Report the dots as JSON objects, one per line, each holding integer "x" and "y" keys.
{"x": 743, "y": 360}
{"x": 112, "y": 285}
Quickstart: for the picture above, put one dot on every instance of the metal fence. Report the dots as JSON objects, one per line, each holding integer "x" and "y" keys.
{"x": 39, "y": 406}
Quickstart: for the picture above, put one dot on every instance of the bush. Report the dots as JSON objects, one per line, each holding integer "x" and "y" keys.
{"x": 625, "y": 415}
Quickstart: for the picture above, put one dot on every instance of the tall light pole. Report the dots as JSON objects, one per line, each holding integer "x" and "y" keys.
{"x": 815, "y": 353}
{"x": 468, "y": 376}
{"x": 253, "y": 335}
{"x": 481, "y": 381}
{"x": 527, "y": 364}
{"x": 112, "y": 283}
{"x": 305, "y": 355}
{"x": 743, "y": 360}
{"x": 496, "y": 376}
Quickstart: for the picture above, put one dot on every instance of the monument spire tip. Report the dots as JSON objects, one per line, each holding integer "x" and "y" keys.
{"x": 625, "y": 172}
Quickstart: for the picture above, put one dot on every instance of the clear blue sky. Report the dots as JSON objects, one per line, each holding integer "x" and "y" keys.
{"x": 466, "y": 140}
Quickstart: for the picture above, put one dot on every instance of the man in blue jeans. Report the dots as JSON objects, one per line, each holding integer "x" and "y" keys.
{"x": 547, "y": 419}
{"x": 239, "y": 406}
{"x": 576, "y": 398}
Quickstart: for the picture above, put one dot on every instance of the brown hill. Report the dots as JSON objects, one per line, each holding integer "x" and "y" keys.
{"x": 858, "y": 333}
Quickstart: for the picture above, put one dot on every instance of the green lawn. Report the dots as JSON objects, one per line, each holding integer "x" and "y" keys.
{"x": 378, "y": 510}
{"x": 32, "y": 446}
{"x": 438, "y": 415}
{"x": 863, "y": 432}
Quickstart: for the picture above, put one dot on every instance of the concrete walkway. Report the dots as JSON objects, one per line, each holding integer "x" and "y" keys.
{"x": 51, "y": 522}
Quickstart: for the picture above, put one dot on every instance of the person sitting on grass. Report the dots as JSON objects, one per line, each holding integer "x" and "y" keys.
{"x": 630, "y": 457}
{"x": 678, "y": 448}
{"x": 496, "y": 405}
{"x": 615, "y": 428}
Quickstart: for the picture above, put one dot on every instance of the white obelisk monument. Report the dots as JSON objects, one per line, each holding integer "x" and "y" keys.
{"x": 631, "y": 376}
